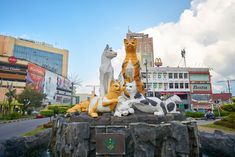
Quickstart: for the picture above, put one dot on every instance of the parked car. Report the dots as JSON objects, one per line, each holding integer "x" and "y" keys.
{"x": 39, "y": 116}
{"x": 35, "y": 112}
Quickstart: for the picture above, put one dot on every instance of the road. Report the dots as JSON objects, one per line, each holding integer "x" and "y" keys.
{"x": 10, "y": 130}
{"x": 204, "y": 122}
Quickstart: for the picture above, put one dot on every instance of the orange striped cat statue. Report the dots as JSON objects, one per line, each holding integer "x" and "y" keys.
{"x": 131, "y": 65}
{"x": 106, "y": 103}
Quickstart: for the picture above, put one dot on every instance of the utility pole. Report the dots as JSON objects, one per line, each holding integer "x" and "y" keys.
{"x": 229, "y": 88}
{"x": 146, "y": 68}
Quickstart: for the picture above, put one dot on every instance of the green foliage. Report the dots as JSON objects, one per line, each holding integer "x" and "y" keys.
{"x": 59, "y": 108}
{"x": 11, "y": 116}
{"x": 194, "y": 114}
{"x": 222, "y": 113}
{"x": 229, "y": 107}
{"x": 30, "y": 95}
{"x": 39, "y": 129}
{"x": 47, "y": 113}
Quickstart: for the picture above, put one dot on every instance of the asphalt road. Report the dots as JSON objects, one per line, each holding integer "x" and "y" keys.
{"x": 15, "y": 129}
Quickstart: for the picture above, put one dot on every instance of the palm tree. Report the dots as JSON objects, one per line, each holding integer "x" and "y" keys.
{"x": 11, "y": 94}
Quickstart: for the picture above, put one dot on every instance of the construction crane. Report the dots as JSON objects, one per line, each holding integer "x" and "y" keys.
{"x": 228, "y": 84}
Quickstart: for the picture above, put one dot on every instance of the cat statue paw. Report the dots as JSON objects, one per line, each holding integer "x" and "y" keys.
{"x": 123, "y": 108}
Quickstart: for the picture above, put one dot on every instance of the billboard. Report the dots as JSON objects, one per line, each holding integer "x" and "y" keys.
{"x": 35, "y": 77}
{"x": 63, "y": 83}
{"x": 50, "y": 85}
{"x": 200, "y": 87}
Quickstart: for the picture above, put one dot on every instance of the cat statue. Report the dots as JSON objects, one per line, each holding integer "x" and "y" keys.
{"x": 122, "y": 108}
{"x": 131, "y": 66}
{"x": 106, "y": 103}
{"x": 106, "y": 69}
{"x": 151, "y": 104}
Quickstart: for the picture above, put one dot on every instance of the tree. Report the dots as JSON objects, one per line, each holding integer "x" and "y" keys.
{"x": 11, "y": 94}
{"x": 30, "y": 97}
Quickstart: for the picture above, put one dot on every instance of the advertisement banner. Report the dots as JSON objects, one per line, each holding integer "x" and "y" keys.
{"x": 50, "y": 85}
{"x": 35, "y": 77}
{"x": 63, "y": 83}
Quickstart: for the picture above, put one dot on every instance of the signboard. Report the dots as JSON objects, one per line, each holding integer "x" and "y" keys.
{"x": 12, "y": 60}
{"x": 50, "y": 85}
{"x": 200, "y": 87}
{"x": 63, "y": 83}
{"x": 35, "y": 77}
{"x": 110, "y": 144}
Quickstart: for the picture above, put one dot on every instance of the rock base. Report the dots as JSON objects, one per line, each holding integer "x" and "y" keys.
{"x": 142, "y": 139}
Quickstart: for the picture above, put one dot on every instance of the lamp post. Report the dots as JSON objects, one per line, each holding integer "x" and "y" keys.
{"x": 146, "y": 69}
{"x": 72, "y": 94}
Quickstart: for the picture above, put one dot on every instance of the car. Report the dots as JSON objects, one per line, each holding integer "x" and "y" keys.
{"x": 39, "y": 116}
{"x": 35, "y": 112}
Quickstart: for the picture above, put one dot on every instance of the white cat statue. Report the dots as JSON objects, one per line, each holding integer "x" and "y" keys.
{"x": 122, "y": 108}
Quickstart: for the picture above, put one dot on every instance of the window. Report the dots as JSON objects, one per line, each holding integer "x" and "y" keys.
{"x": 181, "y": 85}
{"x": 165, "y": 86}
{"x": 143, "y": 75}
{"x": 159, "y": 75}
{"x": 164, "y": 75}
{"x": 176, "y": 85}
{"x": 160, "y": 85}
{"x": 180, "y": 75}
{"x": 170, "y": 75}
{"x": 185, "y": 75}
{"x": 175, "y": 75}
{"x": 186, "y": 85}
{"x": 171, "y": 85}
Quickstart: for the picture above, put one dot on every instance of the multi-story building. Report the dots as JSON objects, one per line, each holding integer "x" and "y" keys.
{"x": 168, "y": 80}
{"x": 144, "y": 47}
{"x": 200, "y": 87}
{"x": 37, "y": 64}
{"x": 40, "y": 53}
{"x": 192, "y": 85}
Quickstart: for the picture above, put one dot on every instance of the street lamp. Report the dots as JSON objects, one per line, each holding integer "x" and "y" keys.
{"x": 146, "y": 69}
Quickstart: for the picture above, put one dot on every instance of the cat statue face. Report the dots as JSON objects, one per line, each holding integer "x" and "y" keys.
{"x": 131, "y": 88}
{"x": 130, "y": 44}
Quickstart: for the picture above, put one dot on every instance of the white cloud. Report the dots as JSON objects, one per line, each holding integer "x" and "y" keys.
{"x": 206, "y": 31}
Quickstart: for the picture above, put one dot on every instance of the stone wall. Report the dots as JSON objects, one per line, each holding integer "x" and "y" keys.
{"x": 217, "y": 144}
{"x": 25, "y": 146}
{"x": 70, "y": 139}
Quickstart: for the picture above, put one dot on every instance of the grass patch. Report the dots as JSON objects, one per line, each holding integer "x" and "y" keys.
{"x": 34, "y": 132}
{"x": 214, "y": 126}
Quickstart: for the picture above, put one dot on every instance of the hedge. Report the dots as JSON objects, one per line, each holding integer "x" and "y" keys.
{"x": 194, "y": 114}
{"x": 47, "y": 113}
{"x": 11, "y": 116}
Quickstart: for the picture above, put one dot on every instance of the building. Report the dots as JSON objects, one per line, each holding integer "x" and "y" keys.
{"x": 39, "y": 65}
{"x": 168, "y": 80}
{"x": 40, "y": 53}
{"x": 200, "y": 88}
{"x": 144, "y": 47}
{"x": 192, "y": 85}
{"x": 221, "y": 98}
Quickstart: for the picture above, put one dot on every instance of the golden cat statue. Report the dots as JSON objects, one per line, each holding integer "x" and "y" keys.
{"x": 131, "y": 65}
{"x": 81, "y": 107}
{"x": 106, "y": 103}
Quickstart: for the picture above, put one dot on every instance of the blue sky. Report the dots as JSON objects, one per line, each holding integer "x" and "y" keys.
{"x": 84, "y": 27}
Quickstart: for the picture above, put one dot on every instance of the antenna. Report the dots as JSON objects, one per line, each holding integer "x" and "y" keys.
{"x": 183, "y": 53}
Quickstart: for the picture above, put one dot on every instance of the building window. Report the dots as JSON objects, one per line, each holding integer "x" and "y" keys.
{"x": 176, "y": 85}
{"x": 180, "y": 75}
{"x": 159, "y": 75}
{"x": 171, "y": 85}
{"x": 164, "y": 75}
{"x": 170, "y": 75}
{"x": 185, "y": 75}
{"x": 186, "y": 85}
{"x": 165, "y": 86}
{"x": 143, "y": 75}
{"x": 175, "y": 75}
{"x": 160, "y": 85}
{"x": 181, "y": 85}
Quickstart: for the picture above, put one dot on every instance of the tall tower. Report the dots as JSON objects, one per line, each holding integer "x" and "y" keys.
{"x": 144, "y": 48}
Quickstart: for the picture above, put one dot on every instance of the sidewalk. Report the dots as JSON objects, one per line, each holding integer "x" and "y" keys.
{"x": 15, "y": 120}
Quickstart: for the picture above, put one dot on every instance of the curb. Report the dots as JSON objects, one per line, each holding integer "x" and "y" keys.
{"x": 15, "y": 120}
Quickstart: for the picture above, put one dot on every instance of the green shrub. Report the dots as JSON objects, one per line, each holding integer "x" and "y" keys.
{"x": 47, "y": 113}
{"x": 228, "y": 121}
{"x": 59, "y": 109}
{"x": 229, "y": 107}
{"x": 62, "y": 110}
{"x": 222, "y": 113}
{"x": 194, "y": 114}
{"x": 11, "y": 116}
{"x": 52, "y": 107}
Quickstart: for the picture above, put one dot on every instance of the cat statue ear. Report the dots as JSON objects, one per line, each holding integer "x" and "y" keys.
{"x": 107, "y": 47}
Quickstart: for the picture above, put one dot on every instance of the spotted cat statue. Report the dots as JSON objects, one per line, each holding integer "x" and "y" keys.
{"x": 122, "y": 108}
{"x": 151, "y": 104}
